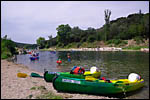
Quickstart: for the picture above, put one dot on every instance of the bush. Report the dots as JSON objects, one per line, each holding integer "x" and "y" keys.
{"x": 123, "y": 43}
{"x": 7, "y": 48}
{"x": 138, "y": 39}
{"x": 114, "y": 41}
{"x": 91, "y": 39}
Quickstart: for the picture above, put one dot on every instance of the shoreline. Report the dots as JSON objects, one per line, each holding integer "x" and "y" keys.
{"x": 13, "y": 87}
{"x": 95, "y": 49}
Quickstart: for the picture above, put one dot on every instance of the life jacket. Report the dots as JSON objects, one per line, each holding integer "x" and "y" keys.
{"x": 68, "y": 56}
{"x": 59, "y": 61}
{"x": 77, "y": 70}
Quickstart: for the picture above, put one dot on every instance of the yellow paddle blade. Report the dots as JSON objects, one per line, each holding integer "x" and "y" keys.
{"x": 22, "y": 75}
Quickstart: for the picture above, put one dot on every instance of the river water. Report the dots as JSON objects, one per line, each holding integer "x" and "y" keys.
{"x": 113, "y": 65}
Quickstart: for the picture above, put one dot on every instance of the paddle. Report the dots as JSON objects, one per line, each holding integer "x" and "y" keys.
{"x": 36, "y": 75}
{"x": 24, "y": 75}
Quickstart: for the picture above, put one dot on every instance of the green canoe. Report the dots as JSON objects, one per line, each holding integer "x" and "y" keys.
{"x": 96, "y": 86}
{"x": 48, "y": 76}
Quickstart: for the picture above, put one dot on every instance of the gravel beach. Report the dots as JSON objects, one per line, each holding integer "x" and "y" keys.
{"x": 13, "y": 87}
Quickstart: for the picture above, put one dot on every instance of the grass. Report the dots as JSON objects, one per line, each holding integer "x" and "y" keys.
{"x": 33, "y": 88}
{"x": 45, "y": 94}
{"x": 134, "y": 47}
{"x": 49, "y": 95}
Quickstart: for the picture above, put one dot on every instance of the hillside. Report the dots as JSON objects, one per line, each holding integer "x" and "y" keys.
{"x": 25, "y": 45}
{"x": 133, "y": 27}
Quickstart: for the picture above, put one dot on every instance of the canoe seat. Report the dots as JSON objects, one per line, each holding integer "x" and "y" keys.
{"x": 90, "y": 78}
{"x": 95, "y": 74}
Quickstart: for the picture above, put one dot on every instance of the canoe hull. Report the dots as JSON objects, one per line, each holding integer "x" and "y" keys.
{"x": 66, "y": 84}
{"x": 48, "y": 76}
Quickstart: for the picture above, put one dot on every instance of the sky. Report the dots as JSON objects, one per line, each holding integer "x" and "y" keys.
{"x": 26, "y": 21}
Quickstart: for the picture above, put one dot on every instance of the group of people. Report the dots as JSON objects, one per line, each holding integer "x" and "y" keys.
{"x": 80, "y": 70}
{"x": 34, "y": 54}
{"x": 59, "y": 61}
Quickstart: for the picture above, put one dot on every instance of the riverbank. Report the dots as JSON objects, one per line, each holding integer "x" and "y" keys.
{"x": 131, "y": 45}
{"x": 96, "y": 49}
{"x": 13, "y": 87}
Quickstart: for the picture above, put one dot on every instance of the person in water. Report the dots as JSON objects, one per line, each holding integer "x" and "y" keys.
{"x": 59, "y": 61}
{"x": 68, "y": 56}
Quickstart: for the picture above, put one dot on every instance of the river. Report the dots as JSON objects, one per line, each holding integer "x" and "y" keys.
{"x": 113, "y": 65}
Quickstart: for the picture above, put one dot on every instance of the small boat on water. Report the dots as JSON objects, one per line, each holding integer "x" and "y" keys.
{"x": 92, "y": 85}
{"x": 34, "y": 56}
{"x": 53, "y": 52}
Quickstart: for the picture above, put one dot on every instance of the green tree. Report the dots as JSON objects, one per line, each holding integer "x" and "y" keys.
{"x": 7, "y": 47}
{"x": 41, "y": 42}
{"x": 91, "y": 38}
{"x": 63, "y": 34}
{"x": 76, "y": 34}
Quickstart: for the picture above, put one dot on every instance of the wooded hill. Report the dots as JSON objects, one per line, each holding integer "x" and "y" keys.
{"x": 134, "y": 26}
{"x": 25, "y": 45}
{"x": 9, "y": 47}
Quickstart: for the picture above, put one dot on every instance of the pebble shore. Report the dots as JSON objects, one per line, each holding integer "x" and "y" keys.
{"x": 13, "y": 87}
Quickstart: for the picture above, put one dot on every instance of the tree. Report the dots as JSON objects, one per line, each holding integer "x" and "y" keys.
{"x": 5, "y": 37}
{"x": 50, "y": 37}
{"x": 107, "y": 17}
{"x": 91, "y": 38}
{"x": 76, "y": 34}
{"x": 113, "y": 31}
{"x": 7, "y": 48}
{"x": 41, "y": 42}
{"x": 63, "y": 34}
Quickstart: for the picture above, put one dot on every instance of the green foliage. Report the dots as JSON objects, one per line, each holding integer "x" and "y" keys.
{"x": 116, "y": 42}
{"x": 33, "y": 88}
{"x": 49, "y": 95}
{"x": 29, "y": 46}
{"x": 123, "y": 43}
{"x": 45, "y": 94}
{"x": 113, "y": 32}
{"x": 26, "y": 46}
{"x": 41, "y": 42}
{"x": 72, "y": 45}
{"x": 88, "y": 45}
{"x": 91, "y": 38}
{"x": 7, "y": 48}
{"x": 134, "y": 47}
{"x": 63, "y": 34}
{"x": 138, "y": 39}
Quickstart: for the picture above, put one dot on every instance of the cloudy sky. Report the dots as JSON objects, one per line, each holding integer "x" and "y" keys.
{"x": 26, "y": 21}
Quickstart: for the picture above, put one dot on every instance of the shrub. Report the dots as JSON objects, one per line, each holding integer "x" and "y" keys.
{"x": 138, "y": 39}
{"x": 114, "y": 41}
{"x": 91, "y": 39}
